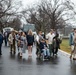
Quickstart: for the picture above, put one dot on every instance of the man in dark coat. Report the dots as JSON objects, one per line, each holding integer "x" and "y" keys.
{"x": 1, "y": 41}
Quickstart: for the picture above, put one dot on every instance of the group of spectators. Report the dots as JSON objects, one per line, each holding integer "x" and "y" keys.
{"x": 47, "y": 45}
{"x": 23, "y": 41}
{"x": 19, "y": 39}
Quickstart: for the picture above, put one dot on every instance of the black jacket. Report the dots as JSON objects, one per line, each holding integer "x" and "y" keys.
{"x": 1, "y": 39}
{"x": 30, "y": 39}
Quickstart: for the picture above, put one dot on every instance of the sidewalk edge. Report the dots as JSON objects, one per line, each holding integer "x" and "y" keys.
{"x": 64, "y": 52}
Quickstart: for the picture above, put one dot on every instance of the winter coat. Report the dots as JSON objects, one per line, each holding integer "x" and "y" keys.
{"x": 12, "y": 39}
{"x": 30, "y": 39}
{"x": 71, "y": 39}
{"x": 1, "y": 39}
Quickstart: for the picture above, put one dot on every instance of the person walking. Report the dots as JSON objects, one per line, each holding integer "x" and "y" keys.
{"x": 12, "y": 39}
{"x": 49, "y": 38}
{"x": 71, "y": 42}
{"x": 23, "y": 44}
{"x": 56, "y": 43}
{"x": 5, "y": 38}
{"x": 30, "y": 41}
{"x": 1, "y": 41}
{"x": 39, "y": 38}
{"x": 17, "y": 39}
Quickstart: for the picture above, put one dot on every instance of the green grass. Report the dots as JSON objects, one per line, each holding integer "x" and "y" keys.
{"x": 65, "y": 45}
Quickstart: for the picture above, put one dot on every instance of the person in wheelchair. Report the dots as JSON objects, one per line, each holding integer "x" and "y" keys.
{"x": 44, "y": 49}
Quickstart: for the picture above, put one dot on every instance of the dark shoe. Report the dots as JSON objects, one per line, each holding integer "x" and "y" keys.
{"x": 14, "y": 52}
{"x": 5, "y": 45}
{"x": 48, "y": 57}
{"x": 45, "y": 57}
{"x": 10, "y": 52}
{"x": 0, "y": 53}
{"x": 18, "y": 54}
{"x": 74, "y": 58}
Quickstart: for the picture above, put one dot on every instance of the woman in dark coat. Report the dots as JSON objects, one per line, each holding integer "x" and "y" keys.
{"x": 30, "y": 41}
{"x": 56, "y": 44}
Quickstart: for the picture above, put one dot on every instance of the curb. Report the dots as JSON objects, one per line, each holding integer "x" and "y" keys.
{"x": 64, "y": 52}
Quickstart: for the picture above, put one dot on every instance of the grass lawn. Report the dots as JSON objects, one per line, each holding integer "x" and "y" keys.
{"x": 65, "y": 45}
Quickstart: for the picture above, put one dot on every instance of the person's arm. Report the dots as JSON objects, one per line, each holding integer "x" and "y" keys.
{"x": 33, "y": 39}
{"x": 37, "y": 39}
{"x": 2, "y": 38}
{"x": 25, "y": 40}
{"x": 9, "y": 38}
{"x": 70, "y": 39}
{"x": 47, "y": 38}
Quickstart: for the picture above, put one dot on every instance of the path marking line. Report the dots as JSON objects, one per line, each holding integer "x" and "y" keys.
{"x": 64, "y": 52}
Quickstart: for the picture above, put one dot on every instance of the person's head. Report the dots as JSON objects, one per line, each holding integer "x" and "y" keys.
{"x": 30, "y": 32}
{"x": 12, "y": 32}
{"x": 20, "y": 32}
{"x": 40, "y": 33}
{"x": 54, "y": 30}
{"x": 23, "y": 34}
{"x": 51, "y": 31}
{"x": 74, "y": 30}
{"x": 43, "y": 40}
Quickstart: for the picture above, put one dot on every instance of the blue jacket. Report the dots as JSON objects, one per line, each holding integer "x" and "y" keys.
{"x": 43, "y": 45}
{"x": 71, "y": 41}
{"x": 1, "y": 39}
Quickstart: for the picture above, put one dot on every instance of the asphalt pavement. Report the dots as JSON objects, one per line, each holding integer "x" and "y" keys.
{"x": 12, "y": 65}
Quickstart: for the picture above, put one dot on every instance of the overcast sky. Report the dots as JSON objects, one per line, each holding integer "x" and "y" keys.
{"x": 30, "y": 2}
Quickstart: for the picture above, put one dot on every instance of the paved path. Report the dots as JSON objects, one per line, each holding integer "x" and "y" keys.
{"x": 11, "y": 65}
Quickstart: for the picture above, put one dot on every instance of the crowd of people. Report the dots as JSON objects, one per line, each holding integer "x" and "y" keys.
{"x": 45, "y": 46}
{"x": 23, "y": 41}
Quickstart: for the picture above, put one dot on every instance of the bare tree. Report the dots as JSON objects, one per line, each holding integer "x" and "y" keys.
{"x": 16, "y": 23}
{"x": 50, "y": 14}
{"x": 8, "y": 11}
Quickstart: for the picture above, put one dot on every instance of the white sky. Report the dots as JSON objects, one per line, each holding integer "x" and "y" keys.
{"x": 30, "y": 2}
{"x": 27, "y": 3}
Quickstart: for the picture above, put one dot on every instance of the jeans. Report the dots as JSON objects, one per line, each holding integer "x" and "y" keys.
{"x": 46, "y": 52}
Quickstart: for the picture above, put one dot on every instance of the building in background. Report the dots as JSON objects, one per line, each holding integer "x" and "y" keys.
{"x": 28, "y": 26}
{"x": 7, "y": 29}
{"x": 65, "y": 32}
